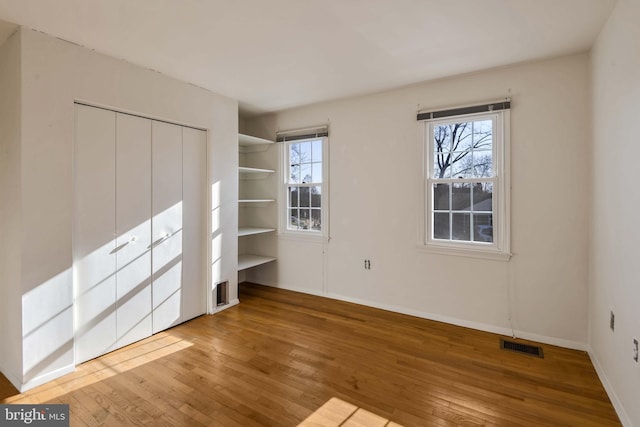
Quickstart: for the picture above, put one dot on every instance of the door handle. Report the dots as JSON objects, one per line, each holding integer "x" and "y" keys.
{"x": 162, "y": 238}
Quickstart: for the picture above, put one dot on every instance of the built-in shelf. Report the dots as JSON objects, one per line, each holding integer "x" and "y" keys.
{"x": 251, "y": 143}
{"x": 256, "y": 201}
{"x": 252, "y": 151}
{"x": 248, "y": 260}
{"x": 250, "y": 231}
{"x": 254, "y": 173}
{"x": 250, "y": 171}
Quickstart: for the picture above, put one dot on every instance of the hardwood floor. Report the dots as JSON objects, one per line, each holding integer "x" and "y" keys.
{"x": 279, "y": 356}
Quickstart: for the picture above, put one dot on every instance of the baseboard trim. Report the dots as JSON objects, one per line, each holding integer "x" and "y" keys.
{"x": 560, "y": 342}
{"x": 12, "y": 379}
{"x": 615, "y": 401}
{"x": 308, "y": 291}
{"x": 218, "y": 309}
{"x": 35, "y": 382}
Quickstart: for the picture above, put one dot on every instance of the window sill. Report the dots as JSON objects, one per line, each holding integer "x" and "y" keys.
{"x": 488, "y": 254}
{"x": 303, "y": 237}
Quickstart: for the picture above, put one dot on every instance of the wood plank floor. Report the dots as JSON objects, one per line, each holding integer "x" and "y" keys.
{"x": 279, "y": 356}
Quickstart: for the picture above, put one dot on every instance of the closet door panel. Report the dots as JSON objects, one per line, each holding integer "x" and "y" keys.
{"x": 194, "y": 290}
{"x": 133, "y": 226}
{"x": 94, "y": 233}
{"x": 166, "y": 227}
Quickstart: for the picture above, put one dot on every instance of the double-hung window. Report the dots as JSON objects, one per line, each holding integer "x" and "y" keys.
{"x": 466, "y": 181}
{"x": 305, "y": 185}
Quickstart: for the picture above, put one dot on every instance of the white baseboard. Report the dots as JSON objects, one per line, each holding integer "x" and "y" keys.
{"x": 615, "y": 401}
{"x": 218, "y": 309}
{"x": 294, "y": 288}
{"x": 13, "y": 379}
{"x": 46, "y": 377}
{"x": 560, "y": 342}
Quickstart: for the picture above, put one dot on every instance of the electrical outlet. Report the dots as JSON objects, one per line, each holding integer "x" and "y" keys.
{"x": 635, "y": 350}
{"x": 367, "y": 264}
{"x": 612, "y": 321}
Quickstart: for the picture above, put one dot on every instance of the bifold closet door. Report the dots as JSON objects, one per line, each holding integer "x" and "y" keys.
{"x": 94, "y": 242}
{"x": 133, "y": 226}
{"x": 194, "y": 290}
{"x": 166, "y": 225}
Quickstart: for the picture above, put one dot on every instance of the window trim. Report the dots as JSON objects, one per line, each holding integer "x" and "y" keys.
{"x": 283, "y": 204}
{"x": 500, "y": 249}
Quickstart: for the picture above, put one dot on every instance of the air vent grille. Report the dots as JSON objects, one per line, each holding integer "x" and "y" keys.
{"x": 521, "y": 348}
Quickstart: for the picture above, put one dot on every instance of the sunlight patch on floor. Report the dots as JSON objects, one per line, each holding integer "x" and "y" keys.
{"x": 337, "y": 412}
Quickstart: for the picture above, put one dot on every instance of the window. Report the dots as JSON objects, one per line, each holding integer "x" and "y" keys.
{"x": 466, "y": 183}
{"x": 305, "y": 186}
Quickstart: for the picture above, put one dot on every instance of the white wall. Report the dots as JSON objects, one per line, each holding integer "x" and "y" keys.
{"x": 375, "y": 171}
{"x": 10, "y": 212}
{"x": 54, "y": 74}
{"x": 614, "y": 267}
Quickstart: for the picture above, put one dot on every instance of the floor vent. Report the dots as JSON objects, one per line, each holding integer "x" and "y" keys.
{"x": 521, "y": 348}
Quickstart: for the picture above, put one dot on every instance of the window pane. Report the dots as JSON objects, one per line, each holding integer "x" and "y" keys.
{"x": 441, "y": 226}
{"x": 316, "y": 196}
{"x": 461, "y": 197}
{"x": 441, "y": 168}
{"x": 305, "y": 219}
{"x": 482, "y": 164}
{"x": 440, "y": 197}
{"x": 305, "y": 173}
{"x": 293, "y": 219}
{"x": 462, "y": 165}
{"x": 482, "y": 134}
{"x": 483, "y": 197}
{"x": 316, "y": 151}
{"x": 483, "y": 228}
{"x": 304, "y": 197}
{"x": 441, "y": 139}
{"x": 305, "y": 152}
{"x": 461, "y": 229}
{"x": 316, "y": 219}
{"x": 316, "y": 172}
{"x": 294, "y": 175}
{"x": 461, "y": 136}
{"x": 293, "y": 197}
{"x": 294, "y": 154}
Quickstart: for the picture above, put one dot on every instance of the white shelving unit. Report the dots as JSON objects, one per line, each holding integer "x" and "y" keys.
{"x": 251, "y": 231}
{"x": 249, "y": 260}
{"x": 252, "y": 181}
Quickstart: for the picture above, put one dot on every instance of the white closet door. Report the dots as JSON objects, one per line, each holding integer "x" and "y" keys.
{"x": 194, "y": 291}
{"x": 166, "y": 226}
{"x": 133, "y": 227}
{"x": 94, "y": 233}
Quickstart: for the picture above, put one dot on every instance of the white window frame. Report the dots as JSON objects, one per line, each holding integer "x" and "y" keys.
{"x": 283, "y": 223}
{"x": 500, "y": 248}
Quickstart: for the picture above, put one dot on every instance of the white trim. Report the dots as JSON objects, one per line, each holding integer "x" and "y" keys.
{"x": 505, "y": 331}
{"x": 232, "y": 303}
{"x": 615, "y": 400}
{"x": 12, "y": 378}
{"x": 560, "y": 342}
{"x": 305, "y": 237}
{"x": 307, "y": 291}
{"x": 500, "y": 248}
{"x": 480, "y": 253}
{"x": 283, "y": 194}
{"x": 49, "y": 376}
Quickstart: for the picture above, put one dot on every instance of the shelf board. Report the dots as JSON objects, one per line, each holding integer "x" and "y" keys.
{"x": 252, "y": 171}
{"x": 249, "y": 231}
{"x": 248, "y": 260}
{"x": 256, "y": 201}
{"x": 248, "y": 140}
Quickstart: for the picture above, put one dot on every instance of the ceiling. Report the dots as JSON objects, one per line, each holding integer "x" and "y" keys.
{"x": 277, "y": 54}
